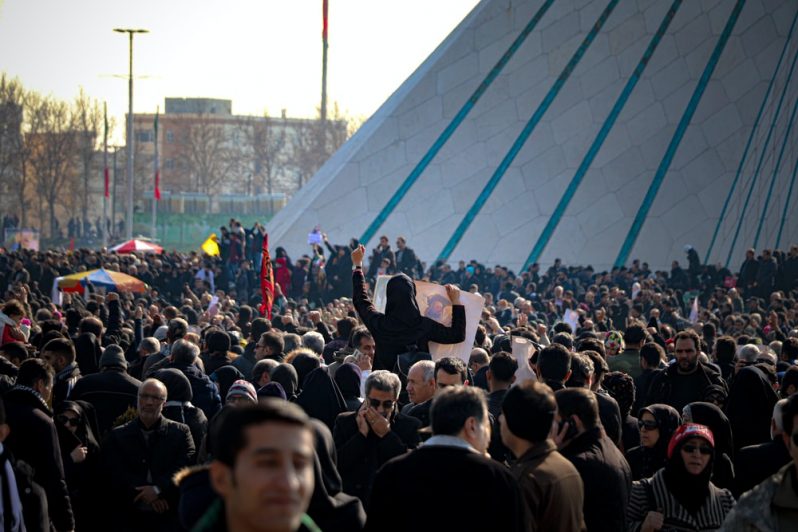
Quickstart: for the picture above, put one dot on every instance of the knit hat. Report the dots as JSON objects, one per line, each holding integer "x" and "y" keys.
{"x": 113, "y": 356}
{"x": 687, "y": 431}
{"x": 242, "y": 388}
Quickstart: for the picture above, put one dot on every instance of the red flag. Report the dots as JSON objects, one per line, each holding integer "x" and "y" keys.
{"x": 107, "y": 180}
{"x": 266, "y": 280}
{"x": 157, "y": 193}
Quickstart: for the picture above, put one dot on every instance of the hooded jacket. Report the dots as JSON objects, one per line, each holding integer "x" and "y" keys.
{"x": 178, "y": 405}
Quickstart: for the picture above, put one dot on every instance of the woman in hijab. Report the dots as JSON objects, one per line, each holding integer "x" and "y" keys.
{"x": 657, "y": 424}
{"x": 178, "y": 405}
{"x": 87, "y": 353}
{"x": 304, "y": 362}
{"x": 681, "y": 496}
{"x": 713, "y": 417}
{"x": 80, "y": 454}
{"x": 347, "y": 377}
{"x": 320, "y": 397}
{"x": 224, "y": 377}
{"x": 749, "y": 407}
{"x": 402, "y": 328}
{"x": 286, "y": 375}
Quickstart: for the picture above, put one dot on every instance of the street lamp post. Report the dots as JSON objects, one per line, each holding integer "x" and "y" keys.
{"x": 130, "y": 140}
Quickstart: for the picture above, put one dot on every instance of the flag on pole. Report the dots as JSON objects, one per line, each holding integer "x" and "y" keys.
{"x": 694, "y": 310}
{"x": 157, "y": 187}
{"x": 106, "y": 175}
{"x": 266, "y": 281}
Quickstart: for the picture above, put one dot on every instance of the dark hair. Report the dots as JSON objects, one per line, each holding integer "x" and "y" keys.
{"x": 358, "y": 333}
{"x": 61, "y": 346}
{"x": 621, "y": 387}
{"x": 579, "y": 402}
{"x": 14, "y": 350}
{"x": 790, "y": 378}
{"x": 345, "y": 326}
{"x": 34, "y": 369}
{"x": 258, "y": 327}
{"x": 564, "y": 339}
{"x": 503, "y": 366}
{"x": 176, "y": 329}
{"x": 600, "y": 366}
{"x": 478, "y": 357}
{"x": 789, "y": 349}
{"x": 218, "y": 341}
{"x": 592, "y": 344}
{"x": 554, "y": 362}
{"x": 91, "y": 324}
{"x": 263, "y": 366}
{"x": 13, "y": 308}
{"x": 725, "y": 348}
{"x": 452, "y": 406}
{"x": 562, "y": 327}
{"x": 689, "y": 334}
{"x": 230, "y": 438}
{"x": 634, "y": 334}
{"x": 273, "y": 340}
{"x": 529, "y": 411}
{"x": 452, "y": 366}
{"x": 653, "y": 354}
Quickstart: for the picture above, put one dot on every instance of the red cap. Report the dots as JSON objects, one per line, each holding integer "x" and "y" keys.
{"x": 687, "y": 431}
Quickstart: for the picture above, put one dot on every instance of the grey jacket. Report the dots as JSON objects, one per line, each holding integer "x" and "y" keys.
{"x": 772, "y": 506}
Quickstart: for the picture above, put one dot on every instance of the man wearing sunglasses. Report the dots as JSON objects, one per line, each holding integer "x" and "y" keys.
{"x": 377, "y": 432}
{"x": 773, "y": 504}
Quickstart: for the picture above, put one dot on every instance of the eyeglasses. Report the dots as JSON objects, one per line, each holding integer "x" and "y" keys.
{"x": 387, "y": 405}
{"x": 148, "y": 397}
{"x": 647, "y": 424}
{"x": 703, "y": 449}
{"x": 66, "y": 420}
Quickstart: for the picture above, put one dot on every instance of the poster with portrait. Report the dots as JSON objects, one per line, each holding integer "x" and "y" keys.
{"x": 433, "y": 302}
{"x": 22, "y": 239}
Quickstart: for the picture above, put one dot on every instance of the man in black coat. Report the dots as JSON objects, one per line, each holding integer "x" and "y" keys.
{"x": 755, "y": 463}
{"x": 765, "y": 275}
{"x": 111, "y": 392}
{"x": 605, "y": 473}
{"x": 748, "y": 272}
{"x": 406, "y": 260}
{"x": 377, "y": 432}
{"x": 378, "y": 254}
{"x": 140, "y": 459}
{"x": 33, "y": 438}
{"x": 467, "y": 490}
{"x": 60, "y": 354}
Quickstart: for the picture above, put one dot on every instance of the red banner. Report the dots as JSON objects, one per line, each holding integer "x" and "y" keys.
{"x": 107, "y": 183}
{"x": 157, "y": 192}
{"x": 266, "y": 280}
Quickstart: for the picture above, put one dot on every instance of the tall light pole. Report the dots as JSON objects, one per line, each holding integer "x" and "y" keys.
{"x": 130, "y": 140}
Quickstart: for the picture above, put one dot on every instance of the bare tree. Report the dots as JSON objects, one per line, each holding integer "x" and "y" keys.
{"x": 53, "y": 152}
{"x": 265, "y": 142}
{"x": 12, "y": 98}
{"x": 314, "y": 141}
{"x": 88, "y": 121}
{"x": 204, "y": 152}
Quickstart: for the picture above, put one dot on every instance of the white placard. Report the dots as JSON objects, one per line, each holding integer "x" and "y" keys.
{"x": 522, "y": 351}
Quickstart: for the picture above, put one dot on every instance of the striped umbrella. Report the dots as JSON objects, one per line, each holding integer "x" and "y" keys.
{"x": 141, "y": 246}
{"x": 102, "y": 278}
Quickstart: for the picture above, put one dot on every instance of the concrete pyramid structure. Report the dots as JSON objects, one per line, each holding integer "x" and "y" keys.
{"x": 595, "y": 131}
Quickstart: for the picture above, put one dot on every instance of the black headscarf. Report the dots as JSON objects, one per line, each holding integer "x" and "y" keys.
{"x": 713, "y": 417}
{"x": 304, "y": 364}
{"x": 750, "y": 407}
{"x": 87, "y": 351}
{"x": 287, "y": 376}
{"x": 347, "y": 377}
{"x": 668, "y": 420}
{"x": 84, "y": 431}
{"x": 321, "y": 398}
{"x": 401, "y": 308}
{"x": 690, "y": 490}
{"x": 224, "y": 378}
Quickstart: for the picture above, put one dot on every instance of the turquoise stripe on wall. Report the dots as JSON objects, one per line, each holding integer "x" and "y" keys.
{"x": 678, "y": 135}
{"x": 389, "y": 207}
{"x": 764, "y": 152}
{"x": 750, "y": 140}
{"x": 775, "y": 175}
{"x": 570, "y": 191}
{"x": 465, "y": 223}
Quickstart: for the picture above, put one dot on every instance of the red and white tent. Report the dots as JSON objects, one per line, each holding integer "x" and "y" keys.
{"x": 137, "y": 246}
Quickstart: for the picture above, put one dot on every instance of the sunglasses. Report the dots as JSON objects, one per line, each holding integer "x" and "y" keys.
{"x": 66, "y": 420}
{"x": 703, "y": 449}
{"x": 647, "y": 424}
{"x": 387, "y": 405}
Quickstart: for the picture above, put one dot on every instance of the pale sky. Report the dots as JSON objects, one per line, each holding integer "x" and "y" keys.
{"x": 262, "y": 54}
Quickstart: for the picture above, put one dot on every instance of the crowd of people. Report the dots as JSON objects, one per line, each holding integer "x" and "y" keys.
{"x": 652, "y": 400}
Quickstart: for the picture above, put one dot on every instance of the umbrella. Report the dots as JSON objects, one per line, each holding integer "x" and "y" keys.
{"x": 102, "y": 278}
{"x": 134, "y": 245}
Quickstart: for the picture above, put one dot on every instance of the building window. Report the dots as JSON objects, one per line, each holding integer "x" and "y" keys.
{"x": 169, "y": 164}
{"x": 143, "y": 136}
{"x": 170, "y": 136}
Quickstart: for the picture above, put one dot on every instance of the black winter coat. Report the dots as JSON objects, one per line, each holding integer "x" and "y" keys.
{"x": 33, "y": 439}
{"x": 606, "y": 476}
{"x": 111, "y": 392}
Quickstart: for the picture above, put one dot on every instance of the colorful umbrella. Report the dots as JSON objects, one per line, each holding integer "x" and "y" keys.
{"x": 141, "y": 246}
{"x": 102, "y": 278}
